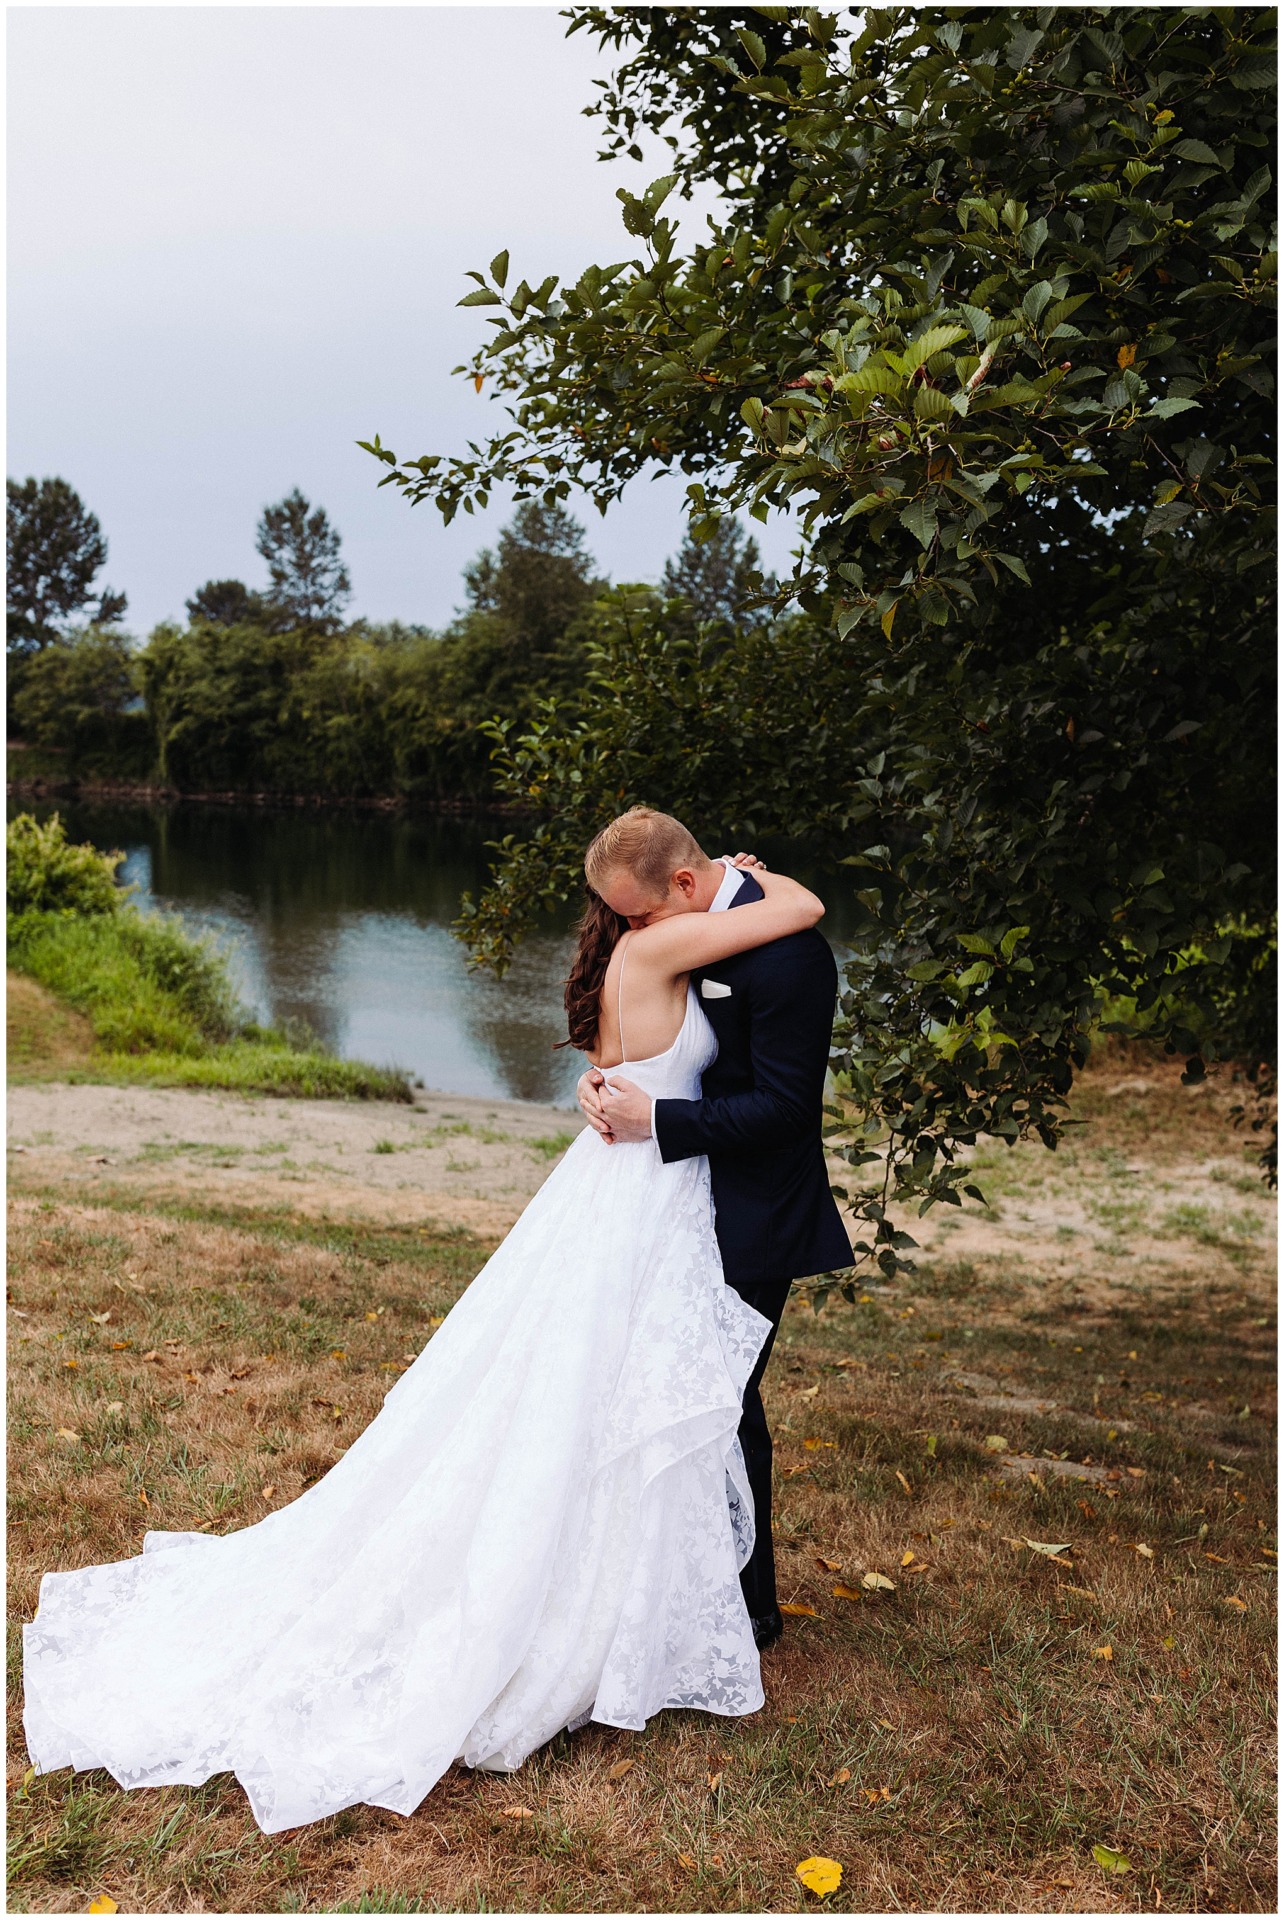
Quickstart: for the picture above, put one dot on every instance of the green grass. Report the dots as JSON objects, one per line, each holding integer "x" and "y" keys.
{"x": 162, "y": 1013}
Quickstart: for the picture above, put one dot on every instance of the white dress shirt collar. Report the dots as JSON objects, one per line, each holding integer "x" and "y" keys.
{"x": 731, "y": 885}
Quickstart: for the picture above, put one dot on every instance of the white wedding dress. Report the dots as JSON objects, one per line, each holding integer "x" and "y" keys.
{"x": 544, "y": 1525}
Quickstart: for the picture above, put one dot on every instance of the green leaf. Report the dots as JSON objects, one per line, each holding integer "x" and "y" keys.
{"x": 480, "y": 297}
{"x": 1110, "y": 1861}
{"x": 499, "y": 268}
{"x": 935, "y": 340}
{"x": 1011, "y": 940}
{"x": 1165, "y": 409}
{"x": 753, "y": 46}
{"x": 931, "y": 404}
{"x": 1014, "y": 564}
{"x": 1197, "y": 150}
{"x": 658, "y": 192}
{"x": 919, "y": 518}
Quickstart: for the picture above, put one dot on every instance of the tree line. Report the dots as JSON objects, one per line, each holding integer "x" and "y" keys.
{"x": 274, "y": 692}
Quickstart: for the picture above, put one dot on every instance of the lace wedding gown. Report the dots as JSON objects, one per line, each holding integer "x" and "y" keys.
{"x": 544, "y": 1525}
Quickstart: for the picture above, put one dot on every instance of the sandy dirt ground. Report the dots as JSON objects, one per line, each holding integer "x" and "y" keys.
{"x": 448, "y": 1160}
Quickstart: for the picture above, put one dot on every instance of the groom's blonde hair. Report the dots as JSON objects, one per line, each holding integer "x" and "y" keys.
{"x": 651, "y": 845}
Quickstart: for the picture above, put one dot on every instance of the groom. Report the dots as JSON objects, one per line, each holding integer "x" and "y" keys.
{"x": 758, "y": 1119}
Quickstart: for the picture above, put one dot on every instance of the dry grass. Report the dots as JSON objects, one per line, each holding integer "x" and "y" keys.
{"x": 959, "y": 1743}
{"x": 45, "y": 1038}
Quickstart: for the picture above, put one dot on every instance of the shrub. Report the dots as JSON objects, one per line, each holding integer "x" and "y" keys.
{"x": 47, "y": 874}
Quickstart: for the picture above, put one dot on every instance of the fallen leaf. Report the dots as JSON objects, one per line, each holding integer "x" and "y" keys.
{"x": 1084, "y": 1593}
{"x": 878, "y": 1583}
{"x": 1112, "y": 1862}
{"x": 809, "y": 1393}
{"x": 337, "y": 1353}
{"x": 1135, "y": 1473}
{"x": 1103, "y": 1653}
{"x": 71, "y": 1363}
{"x": 1048, "y": 1547}
{"x": 904, "y": 1482}
{"x": 619, "y": 1770}
{"x": 841, "y": 1778}
{"x": 995, "y": 1443}
{"x": 1147, "y": 1553}
{"x": 846, "y": 1593}
{"x": 67, "y": 1433}
{"x": 517, "y": 1813}
{"x": 1218, "y": 1558}
{"x": 119, "y": 1346}
{"x": 875, "y": 1794}
{"x": 154, "y": 1354}
{"x": 715, "y": 1781}
{"x": 1087, "y": 1509}
{"x": 887, "y": 1724}
{"x": 836, "y": 1566}
{"x": 268, "y": 1492}
{"x": 114, "y": 1406}
{"x": 907, "y": 1558}
{"x": 372, "y": 1316}
{"x": 814, "y": 1446}
{"x": 100, "y": 1319}
{"x": 820, "y": 1876}
{"x": 143, "y": 1500}
{"x": 688, "y": 1861}
{"x": 103, "y": 1904}
{"x": 1233, "y": 1600}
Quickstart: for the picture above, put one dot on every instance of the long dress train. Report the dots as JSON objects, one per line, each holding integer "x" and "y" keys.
{"x": 544, "y": 1525}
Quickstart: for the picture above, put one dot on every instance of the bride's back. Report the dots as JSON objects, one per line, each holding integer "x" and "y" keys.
{"x": 640, "y": 1011}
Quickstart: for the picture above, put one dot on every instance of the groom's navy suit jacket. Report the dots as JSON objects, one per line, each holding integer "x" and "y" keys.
{"x": 758, "y": 1117}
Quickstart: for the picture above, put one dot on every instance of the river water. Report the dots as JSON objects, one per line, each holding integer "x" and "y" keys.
{"x": 341, "y": 919}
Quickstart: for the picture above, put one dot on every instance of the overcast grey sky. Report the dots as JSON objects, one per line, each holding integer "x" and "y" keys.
{"x": 236, "y": 240}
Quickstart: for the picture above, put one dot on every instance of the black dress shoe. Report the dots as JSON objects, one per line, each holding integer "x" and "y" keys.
{"x": 767, "y": 1629}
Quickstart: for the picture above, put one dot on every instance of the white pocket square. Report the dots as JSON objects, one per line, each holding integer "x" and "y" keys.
{"x": 714, "y": 990}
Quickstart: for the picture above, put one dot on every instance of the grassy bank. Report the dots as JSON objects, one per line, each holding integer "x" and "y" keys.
{"x": 115, "y": 994}
{"x": 960, "y": 1737}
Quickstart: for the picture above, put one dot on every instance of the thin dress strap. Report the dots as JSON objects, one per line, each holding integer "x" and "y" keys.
{"x": 619, "y": 995}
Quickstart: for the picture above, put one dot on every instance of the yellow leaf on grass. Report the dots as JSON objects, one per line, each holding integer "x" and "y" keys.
{"x": 1103, "y": 1653}
{"x": 806, "y": 1613}
{"x": 268, "y": 1491}
{"x": 103, "y": 1904}
{"x": 1112, "y": 1862}
{"x": 715, "y": 1781}
{"x": 337, "y": 1353}
{"x": 841, "y": 1778}
{"x": 878, "y": 1583}
{"x": 875, "y": 1794}
{"x": 814, "y": 1446}
{"x": 143, "y": 1500}
{"x": 847, "y": 1593}
{"x": 828, "y": 1566}
{"x": 517, "y": 1813}
{"x": 100, "y": 1319}
{"x": 687, "y": 1860}
{"x": 1233, "y": 1600}
{"x": 809, "y": 1393}
{"x": 1048, "y": 1547}
{"x": 1147, "y": 1553}
{"x": 619, "y": 1770}
{"x": 995, "y": 1443}
{"x": 820, "y": 1876}
{"x": 114, "y": 1406}
{"x": 67, "y": 1433}
{"x": 904, "y": 1482}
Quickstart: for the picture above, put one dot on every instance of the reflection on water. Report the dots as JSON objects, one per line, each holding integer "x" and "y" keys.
{"x": 342, "y": 920}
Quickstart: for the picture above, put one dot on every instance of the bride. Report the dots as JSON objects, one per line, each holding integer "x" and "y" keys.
{"x": 543, "y": 1526}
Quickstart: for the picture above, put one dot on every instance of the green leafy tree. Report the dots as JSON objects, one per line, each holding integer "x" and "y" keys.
{"x": 56, "y": 547}
{"x": 308, "y": 579}
{"x": 990, "y": 308}
{"x": 81, "y": 697}
{"x": 228, "y": 603}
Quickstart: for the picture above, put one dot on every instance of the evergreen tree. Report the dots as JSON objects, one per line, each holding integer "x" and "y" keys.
{"x": 718, "y": 576}
{"x": 226, "y": 603}
{"x": 309, "y": 580}
{"x": 56, "y": 547}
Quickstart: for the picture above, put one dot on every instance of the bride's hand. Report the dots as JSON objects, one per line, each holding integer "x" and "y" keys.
{"x": 744, "y": 860}
{"x": 588, "y": 1093}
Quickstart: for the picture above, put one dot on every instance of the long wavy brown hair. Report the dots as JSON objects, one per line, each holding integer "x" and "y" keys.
{"x": 598, "y": 932}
